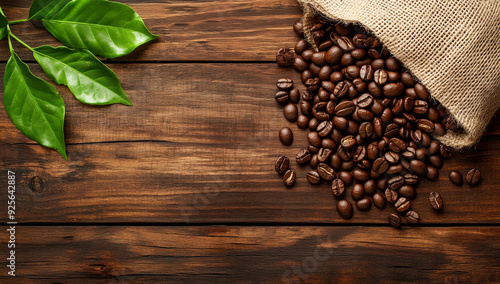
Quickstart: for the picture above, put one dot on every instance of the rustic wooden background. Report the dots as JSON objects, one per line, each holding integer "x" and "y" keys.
{"x": 181, "y": 186}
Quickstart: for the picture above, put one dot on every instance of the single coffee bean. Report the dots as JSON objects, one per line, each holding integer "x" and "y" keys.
{"x": 289, "y": 177}
{"x": 364, "y": 204}
{"x": 348, "y": 142}
{"x": 344, "y": 108}
{"x": 324, "y": 154}
{"x": 303, "y": 157}
{"x": 407, "y": 191}
{"x": 411, "y": 179}
{"x": 299, "y": 64}
{"x": 341, "y": 89}
{"x": 393, "y": 76}
{"x": 391, "y": 157}
{"x": 432, "y": 173}
{"x": 282, "y": 97}
{"x": 344, "y": 208}
{"x": 425, "y": 125}
{"x": 374, "y": 89}
{"x": 318, "y": 58}
{"x": 326, "y": 172}
{"x": 391, "y": 195}
{"x": 407, "y": 79}
{"x": 291, "y": 112}
{"x": 348, "y": 166}
{"x": 421, "y": 92}
{"x": 366, "y": 130}
{"x": 392, "y": 90}
{"x": 338, "y": 187}
{"x": 286, "y": 136}
{"x": 372, "y": 152}
{"x": 358, "y": 53}
{"x": 382, "y": 184}
{"x": 456, "y": 177}
{"x": 392, "y": 64}
{"x": 312, "y": 84}
{"x": 378, "y": 64}
{"x": 294, "y": 95}
{"x": 345, "y": 43}
{"x": 352, "y": 71}
{"x": 281, "y": 164}
{"x": 370, "y": 187}
{"x": 314, "y": 139}
{"x": 360, "y": 175}
{"x": 380, "y": 77}
{"x": 436, "y": 200}
{"x": 420, "y": 168}
{"x": 402, "y": 204}
{"x": 391, "y": 130}
{"x": 314, "y": 161}
{"x": 359, "y": 154}
{"x": 365, "y": 100}
{"x": 333, "y": 55}
{"x": 445, "y": 151}
{"x": 365, "y": 115}
{"x": 420, "y": 107}
{"x": 324, "y": 46}
{"x": 357, "y": 191}
{"x": 394, "y": 220}
{"x": 397, "y": 145}
{"x": 301, "y": 46}
{"x": 284, "y": 84}
{"x": 409, "y": 153}
{"x": 473, "y": 176}
{"x": 412, "y": 216}
{"x": 396, "y": 182}
{"x": 394, "y": 169}
{"x": 324, "y": 128}
{"x": 398, "y": 107}
{"x": 380, "y": 166}
{"x": 302, "y": 121}
{"x": 285, "y": 57}
{"x": 313, "y": 177}
{"x": 346, "y": 177}
{"x": 379, "y": 200}
{"x": 366, "y": 73}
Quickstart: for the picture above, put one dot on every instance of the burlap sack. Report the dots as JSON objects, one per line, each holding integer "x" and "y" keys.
{"x": 452, "y": 47}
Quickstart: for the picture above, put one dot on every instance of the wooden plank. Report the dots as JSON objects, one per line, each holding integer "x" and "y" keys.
{"x": 235, "y": 30}
{"x": 232, "y": 181}
{"x": 199, "y": 103}
{"x": 217, "y": 254}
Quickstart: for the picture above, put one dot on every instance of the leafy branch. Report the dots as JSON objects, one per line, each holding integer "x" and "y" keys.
{"x": 86, "y": 28}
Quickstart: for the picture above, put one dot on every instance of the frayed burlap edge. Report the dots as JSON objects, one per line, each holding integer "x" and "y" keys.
{"x": 472, "y": 131}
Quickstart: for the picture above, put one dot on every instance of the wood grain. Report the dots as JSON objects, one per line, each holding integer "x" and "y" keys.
{"x": 222, "y": 30}
{"x": 199, "y": 145}
{"x": 220, "y": 254}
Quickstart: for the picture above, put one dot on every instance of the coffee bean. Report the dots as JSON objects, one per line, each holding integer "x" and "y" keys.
{"x": 289, "y": 177}
{"x": 407, "y": 191}
{"x": 346, "y": 177}
{"x": 314, "y": 161}
{"x": 412, "y": 216}
{"x": 341, "y": 89}
{"x": 344, "y": 208}
{"x": 420, "y": 107}
{"x": 281, "y": 164}
{"x": 379, "y": 200}
{"x": 365, "y": 100}
{"x": 473, "y": 176}
{"x": 411, "y": 179}
{"x": 299, "y": 64}
{"x": 324, "y": 154}
{"x": 380, "y": 77}
{"x": 291, "y": 112}
{"x": 366, "y": 130}
{"x": 314, "y": 139}
{"x": 396, "y": 182}
{"x": 436, "y": 200}
{"x": 297, "y": 27}
{"x": 407, "y": 79}
{"x": 432, "y": 173}
{"x": 425, "y": 125}
{"x": 352, "y": 71}
{"x": 303, "y": 157}
{"x": 285, "y": 57}
{"x": 324, "y": 128}
{"x": 313, "y": 177}
{"x": 281, "y": 97}
{"x": 325, "y": 45}
{"x": 456, "y": 177}
{"x": 392, "y": 64}
{"x": 312, "y": 84}
{"x": 359, "y": 154}
{"x": 318, "y": 58}
{"x": 345, "y": 43}
{"x": 333, "y": 55}
{"x": 393, "y": 90}
{"x": 286, "y": 136}
{"x": 365, "y": 115}
{"x": 294, "y": 95}
{"x": 421, "y": 92}
{"x": 284, "y": 84}
{"x": 366, "y": 73}
{"x": 380, "y": 166}
{"x": 394, "y": 220}
{"x": 420, "y": 168}
{"x": 357, "y": 191}
{"x": 348, "y": 142}
{"x": 402, "y": 204}
{"x": 397, "y": 145}
{"x": 445, "y": 151}
{"x": 302, "y": 121}
{"x": 391, "y": 130}
{"x": 370, "y": 187}
{"x": 390, "y": 195}
{"x": 344, "y": 108}
{"x": 326, "y": 172}
{"x": 364, "y": 204}
{"x": 338, "y": 187}
{"x": 378, "y": 64}
{"x": 372, "y": 152}
{"x": 391, "y": 157}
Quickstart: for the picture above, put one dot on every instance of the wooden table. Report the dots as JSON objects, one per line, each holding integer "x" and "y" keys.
{"x": 181, "y": 186}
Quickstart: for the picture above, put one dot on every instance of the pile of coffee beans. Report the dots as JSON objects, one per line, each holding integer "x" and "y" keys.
{"x": 370, "y": 123}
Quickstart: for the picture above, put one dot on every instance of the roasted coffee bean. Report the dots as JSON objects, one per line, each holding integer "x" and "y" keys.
{"x": 409, "y": 153}
{"x": 289, "y": 177}
{"x": 370, "y": 186}
{"x": 299, "y": 64}
{"x": 366, "y": 73}
{"x": 420, "y": 107}
{"x": 357, "y": 191}
{"x": 312, "y": 84}
{"x": 348, "y": 166}
{"x": 380, "y": 166}
{"x": 297, "y": 27}
{"x": 366, "y": 130}
{"x": 348, "y": 142}
{"x": 284, "y": 84}
{"x": 364, "y": 204}
{"x": 324, "y": 75}
{"x": 396, "y": 182}
{"x": 286, "y": 136}
{"x": 382, "y": 184}
{"x": 326, "y": 172}
{"x": 374, "y": 89}
{"x": 360, "y": 40}
{"x": 302, "y": 121}
{"x": 445, "y": 151}
{"x": 360, "y": 175}
{"x": 365, "y": 100}
{"x": 305, "y": 108}
{"x": 344, "y": 208}
{"x": 352, "y": 71}
{"x": 324, "y": 128}
{"x": 281, "y": 164}
{"x": 359, "y": 85}
{"x": 379, "y": 200}
{"x": 291, "y": 112}
{"x": 425, "y": 125}
{"x": 333, "y": 55}
{"x": 338, "y": 187}
{"x": 456, "y": 177}
{"x": 294, "y": 95}
{"x": 420, "y": 153}
{"x": 341, "y": 89}
{"x": 285, "y": 57}
{"x": 432, "y": 173}
{"x": 324, "y": 154}
{"x": 392, "y": 90}
{"x": 473, "y": 176}
{"x": 325, "y": 45}
{"x": 306, "y": 55}
{"x": 365, "y": 115}
{"x": 318, "y": 58}
{"x": 391, "y": 195}
{"x": 301, "y": 46}
{"x": 346, "y": 177}
{"x": 407, "y": 79}
{"x": 402, "y": 204}
{"x": 346, "y": 60}
{"x": 306, "y": 75}
{"x": 420, "y": 168}
{"x": 394, "y": 169}
{"x": 378, "y": 64}
{"x": 282, "y": 97}
{"x": 435, "y": 200}
{"x": 392, "y": 64}
{"x": 398, "y": 107}
{"x": 313, "y": 177}
{"x": 344, "y": 108}
{"x": 436, "y": 161}
{"x": 303, "y": 157}
{"x": 372, "y": 151}
{"x": 397, "y": 145}
{"x": 314, "y": 139}
{"x": 380, "y": 77}
{"x": 314, "y": 161}
{"x": 393, "y": 76}
{"x": 358, "y": 53}
{"x": 328, "y": 143}
{"x": 407, "y": 191}
{"x": 412, "y": 216}
{"x": 345, "y": 43}
{"x": 421, "y": 92}
{"x": 394, "y": 220}
{"x": 359, "y": 154}
{"x": 411, "y": 179}
{"x": 340, "y": 122}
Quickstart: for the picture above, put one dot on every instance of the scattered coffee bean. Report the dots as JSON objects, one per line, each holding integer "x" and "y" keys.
{"x": 456, "y": 177}
{"x": 394, "y": 220}
{"x": 281, "y": 164}
{"x": 289, "y": 178}
{"x": 364, "y": 204}
{"x": 379, "y": 200}
{"x": 313, "y": 177}
{"x": 338, "y": 187}
{"x": 291, "y": 112}
{"x": 326, "y": 172}
{"x": 285, "y": 57}
{"x": 412, "y": 216}
{"x": 286, "y": 136}
{"x": 344, "y": 208}
{"x": 303, "y": 157}
{"x": 436, "y": 200}
{"x": 402, "y": 204}
{"x": 473, "y": 176}
{"x": 284, "y": 84}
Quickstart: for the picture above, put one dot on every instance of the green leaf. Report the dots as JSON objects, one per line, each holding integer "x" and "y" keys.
{"x": 108, "y": 29}
{"x": 85, "y": 75}
{"x": 44, "y": 9}
{"x": 3, "y": 24}
{"x": 34, "y": 106}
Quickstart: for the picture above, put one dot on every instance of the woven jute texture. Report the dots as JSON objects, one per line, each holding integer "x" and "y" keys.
{"x": 451, "y": 46}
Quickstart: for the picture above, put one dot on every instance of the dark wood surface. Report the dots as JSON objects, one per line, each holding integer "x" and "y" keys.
{"x": 180, "y": 187}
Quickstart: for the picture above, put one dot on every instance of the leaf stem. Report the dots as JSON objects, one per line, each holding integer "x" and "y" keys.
{"x": 16, "y": 38}
{"x": 18, "y": 21}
